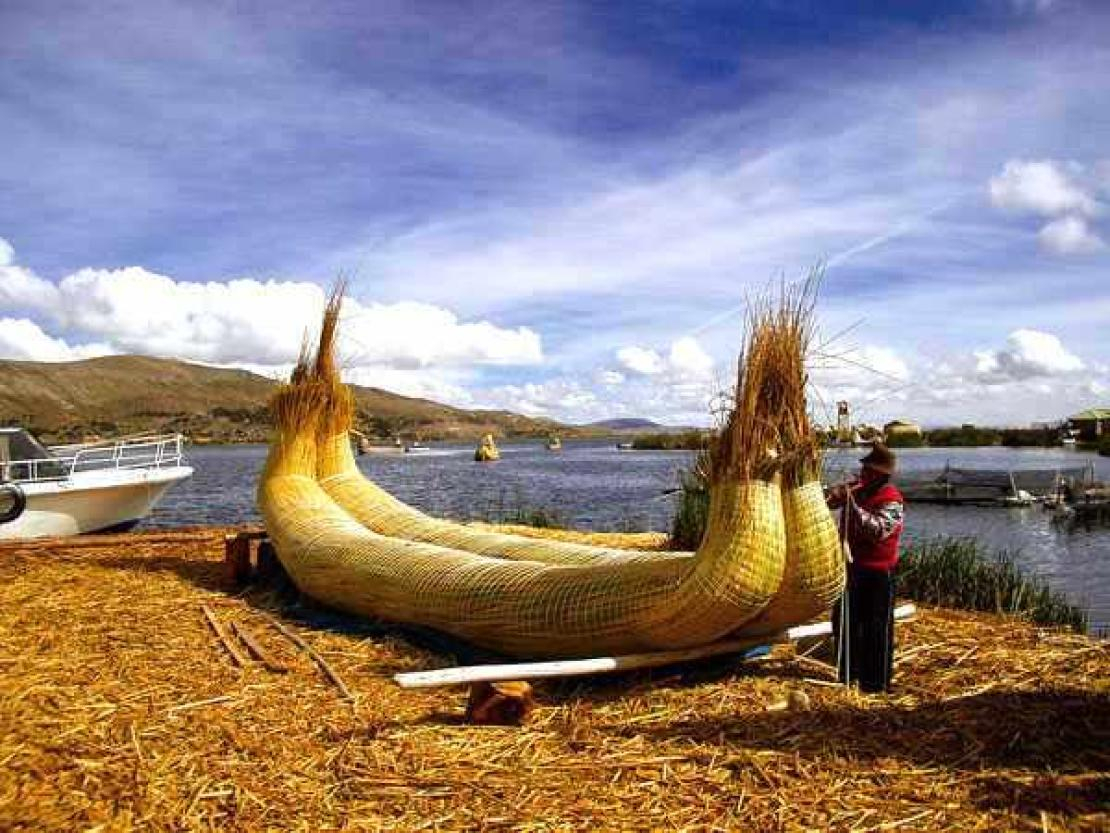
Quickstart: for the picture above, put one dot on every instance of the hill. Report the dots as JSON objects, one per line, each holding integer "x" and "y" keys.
{"x": 637, "y": 426}
{"x": 626, "y": 424}
{"x": 116, "y": 395}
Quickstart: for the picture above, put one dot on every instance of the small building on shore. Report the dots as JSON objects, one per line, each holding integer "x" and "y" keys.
{"x": 1090, "y": 425}
{"x": 901, "y": 432}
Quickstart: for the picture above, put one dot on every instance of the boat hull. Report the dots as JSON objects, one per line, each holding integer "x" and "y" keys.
{"x": 91, "y": 502}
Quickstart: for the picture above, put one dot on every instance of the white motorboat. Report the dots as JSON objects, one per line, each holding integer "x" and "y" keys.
{"x": 93, "y": 487}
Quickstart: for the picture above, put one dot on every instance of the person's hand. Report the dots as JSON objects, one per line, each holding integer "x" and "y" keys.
{"x": 837, "y": 495}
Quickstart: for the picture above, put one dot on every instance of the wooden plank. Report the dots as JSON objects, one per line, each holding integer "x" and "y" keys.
{"x": 256, "y": 650}
{"x": 603, "y": 665}
{"x": 225, "y": 638}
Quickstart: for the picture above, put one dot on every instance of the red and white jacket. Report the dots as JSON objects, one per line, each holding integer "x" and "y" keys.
{"x": 874, "y": 527}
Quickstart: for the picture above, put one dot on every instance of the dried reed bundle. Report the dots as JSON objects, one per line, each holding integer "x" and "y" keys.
{"x": 527, "y": 607}
{"x": 815, "y": 573}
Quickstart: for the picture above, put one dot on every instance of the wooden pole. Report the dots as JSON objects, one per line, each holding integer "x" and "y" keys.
{"x": 329, "y": 672}
{"x": 224, "y": 637}
{"x": 604, "y": 665}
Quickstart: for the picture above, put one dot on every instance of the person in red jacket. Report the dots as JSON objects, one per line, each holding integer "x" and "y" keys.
{"x": 871, "y": 517}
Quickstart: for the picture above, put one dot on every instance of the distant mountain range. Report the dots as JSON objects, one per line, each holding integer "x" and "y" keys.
{"x": 635, "y": 425}
{"x": 117, "y": 395}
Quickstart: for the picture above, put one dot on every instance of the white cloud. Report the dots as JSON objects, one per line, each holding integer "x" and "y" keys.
{"x": 688, "y": 357}
{"x": 610, "y": 377}
{"x": 433, "y": 384}
{"x": 864, "y": 366}
{"x": 1069, "y": 235}
{"x": 1028, "y": 354}
{"x": 23, "y": 340}
{"x": 685, "y": 359}
{"x": 20, "y": 288}
{"x": 254, "y": 322}
{"x": 410, "y": 335}
{"x": 640, "y": 360}
{"x": 1042, "y": 187}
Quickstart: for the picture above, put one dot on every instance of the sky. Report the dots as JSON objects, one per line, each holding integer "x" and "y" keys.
{"x": 562, "y": 209}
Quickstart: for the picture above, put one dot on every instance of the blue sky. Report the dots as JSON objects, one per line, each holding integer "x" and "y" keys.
{"x": 561, "y": 208}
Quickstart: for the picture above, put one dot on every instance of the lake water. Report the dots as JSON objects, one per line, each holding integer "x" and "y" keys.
{"x": 591, "y": 485}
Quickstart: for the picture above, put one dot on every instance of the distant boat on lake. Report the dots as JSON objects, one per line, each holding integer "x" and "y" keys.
{"x": 487, "y": 450}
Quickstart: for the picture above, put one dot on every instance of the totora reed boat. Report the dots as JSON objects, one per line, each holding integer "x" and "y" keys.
{"x": 771, "y": 556}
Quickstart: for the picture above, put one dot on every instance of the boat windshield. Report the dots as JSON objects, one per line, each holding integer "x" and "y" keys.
{"x": 18, "y": 448}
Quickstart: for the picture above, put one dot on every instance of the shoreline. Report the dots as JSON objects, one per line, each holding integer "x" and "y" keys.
{"x": 119, "y": 704}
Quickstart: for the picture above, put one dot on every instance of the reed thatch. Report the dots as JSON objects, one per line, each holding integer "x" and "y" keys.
{"x": 120, "y": 710}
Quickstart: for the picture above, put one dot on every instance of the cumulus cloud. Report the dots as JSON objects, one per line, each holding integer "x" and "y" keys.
{"x": 1042, "y": 187}
{"x": 1069, "y": 235}
{"x": 23, "y": 339}
{"x": 1028, "y": 354}
{"x": 1063, "y": 191}
{"x": 253, "y": 322}
{"x": 688, "y": 357}
{"x": 640, "y": 360}
{"x": 20, "y": 288}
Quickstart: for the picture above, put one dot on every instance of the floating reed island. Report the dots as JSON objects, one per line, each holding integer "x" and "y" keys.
{"x": 770, "y": 556}
{"x": 143, "y": 688}
{"x": 121, "y": 709}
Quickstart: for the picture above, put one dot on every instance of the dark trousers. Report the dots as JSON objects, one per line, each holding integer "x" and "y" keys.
{"x": 866, "y": 656}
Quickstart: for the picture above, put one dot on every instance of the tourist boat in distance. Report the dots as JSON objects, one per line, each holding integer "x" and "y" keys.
{"x": 625, "y": 447}
{"x": 417, "y": 447}
{"x": 368, "y": 446}
{"x": 554, "y": 444}
{"x": 85, "y": 487}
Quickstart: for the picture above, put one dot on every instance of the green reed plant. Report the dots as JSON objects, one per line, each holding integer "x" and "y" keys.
{"x": 960, "y": 573}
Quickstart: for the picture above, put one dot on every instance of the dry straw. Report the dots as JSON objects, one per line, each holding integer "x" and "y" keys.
{"x": 120, "y": 710}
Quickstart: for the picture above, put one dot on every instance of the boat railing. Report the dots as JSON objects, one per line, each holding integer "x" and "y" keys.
{"x": 148, "y": 452}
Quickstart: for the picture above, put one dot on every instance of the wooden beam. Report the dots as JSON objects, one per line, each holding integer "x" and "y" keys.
{"x": 603, "y": 665}
{"x": 256, "y": 650}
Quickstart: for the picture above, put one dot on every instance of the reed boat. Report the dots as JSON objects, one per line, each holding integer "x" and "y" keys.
{"x": 91, "y": 487}
{"x": 487, "y": 450}
{"x": 770, "y": 557}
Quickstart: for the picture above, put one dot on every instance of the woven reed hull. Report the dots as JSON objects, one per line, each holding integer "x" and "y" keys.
{"x": 527, "y": 608}
{"x": 643, "y": 541}
{"x": 814, "y": 575}
{"x": 384, "y": 514}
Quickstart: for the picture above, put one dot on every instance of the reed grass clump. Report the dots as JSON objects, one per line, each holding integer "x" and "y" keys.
{"x": 691, "y": 512}
{"x": 960, "y": 573}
